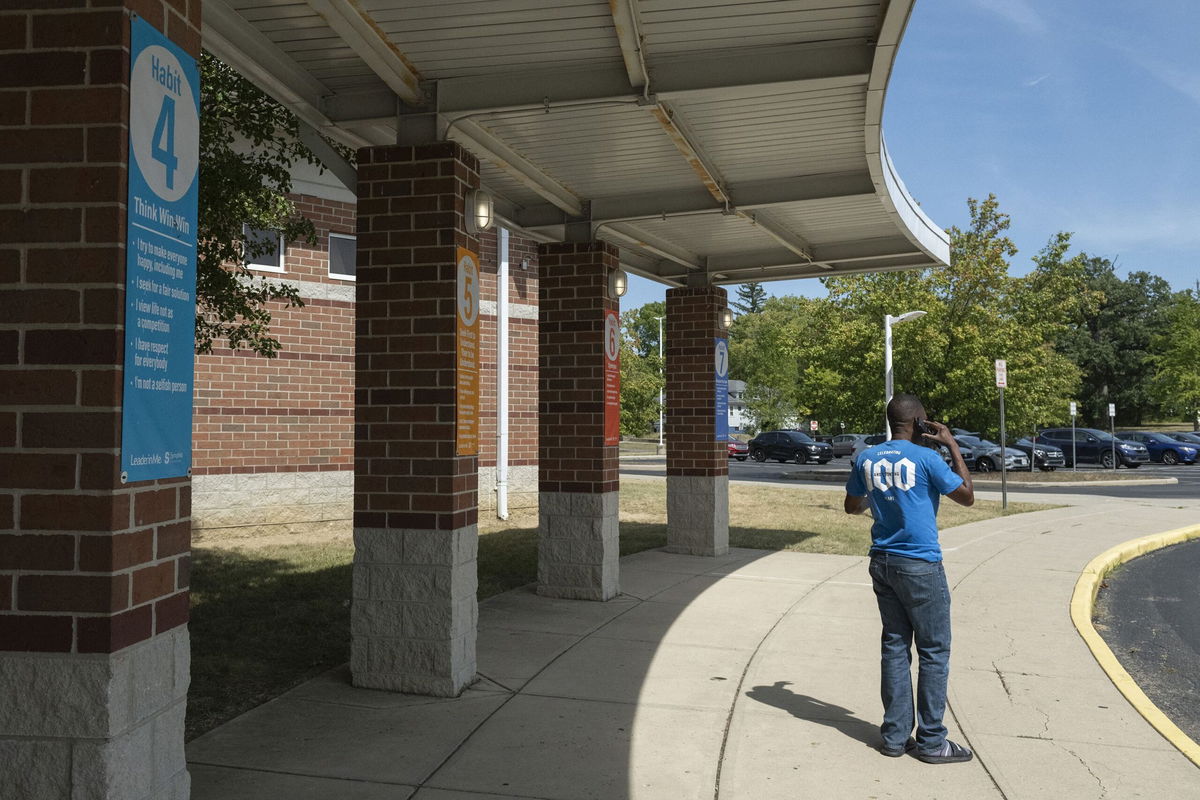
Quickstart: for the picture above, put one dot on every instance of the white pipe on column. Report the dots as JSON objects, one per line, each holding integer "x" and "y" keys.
{"x": 502, "y": 375}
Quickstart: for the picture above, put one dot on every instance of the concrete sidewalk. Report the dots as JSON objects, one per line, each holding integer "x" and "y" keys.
{"x": 748, "y": 677}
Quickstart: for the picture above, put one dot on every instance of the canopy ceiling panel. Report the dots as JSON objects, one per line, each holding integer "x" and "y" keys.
{"x": 712, "y": 140}
{"x": 684, "y": 25}
{"x": 448, "y": 39}
{"x": 598, "y": 152}
{"x": 796, "y": 133}
{"x": 833, "y": 221}
{"x": 713, "y": 234}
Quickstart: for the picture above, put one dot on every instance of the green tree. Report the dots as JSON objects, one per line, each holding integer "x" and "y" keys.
{"x": 975, "y": 313}
{"x": 1113, "y": 343}
{"x": 248, "y": 144}
{"x": 765, "y": 351}
{"x": 640, "y": 384}
{"x": 751, "y": 298}
{"x": 641, "y": 327}
{"x": 1177, "y": 360}
{"x": 641, "y": 368}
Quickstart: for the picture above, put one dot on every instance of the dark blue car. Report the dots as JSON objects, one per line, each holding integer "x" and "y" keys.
{"x": 1187, "y": 437}
{"x": 1162, "y": 447}
{"x": 1095, "y": 446}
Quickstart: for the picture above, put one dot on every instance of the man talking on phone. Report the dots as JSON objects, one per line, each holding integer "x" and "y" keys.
{"x": 901, "y": 482}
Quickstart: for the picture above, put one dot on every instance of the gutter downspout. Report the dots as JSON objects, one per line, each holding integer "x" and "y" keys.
{"x": 502, "y": 376}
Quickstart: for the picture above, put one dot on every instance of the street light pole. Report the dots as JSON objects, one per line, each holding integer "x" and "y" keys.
{"x": 888, "y": 322}
{"x": 661, "y": 387}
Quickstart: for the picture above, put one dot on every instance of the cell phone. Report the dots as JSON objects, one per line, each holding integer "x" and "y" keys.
{"x": 924, "y": 427}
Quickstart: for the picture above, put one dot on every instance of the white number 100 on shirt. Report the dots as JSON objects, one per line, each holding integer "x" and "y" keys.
{"x": 884, "y": 475}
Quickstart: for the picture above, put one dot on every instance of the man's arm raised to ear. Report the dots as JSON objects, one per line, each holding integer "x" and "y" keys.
{"x": 964, "y": 495}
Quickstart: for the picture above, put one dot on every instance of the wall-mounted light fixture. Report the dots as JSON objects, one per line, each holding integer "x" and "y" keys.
{"x": 481, "y": 212}
{"x": 726, "y": 318}
{"x": 618, "y": 283}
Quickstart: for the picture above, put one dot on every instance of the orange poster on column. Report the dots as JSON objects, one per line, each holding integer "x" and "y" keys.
{"x": 612, "y": 379}
{"x": 466, "y": 398}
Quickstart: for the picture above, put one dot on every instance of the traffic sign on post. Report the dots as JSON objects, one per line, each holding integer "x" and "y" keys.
{"x": 1073, "y": 408}
{"x": 1112, "y": 413}
{"x": 812, "y": 425}
{"x": 1001, "y": 383}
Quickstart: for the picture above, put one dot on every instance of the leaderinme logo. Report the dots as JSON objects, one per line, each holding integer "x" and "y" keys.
{"x": 884, "y": 474}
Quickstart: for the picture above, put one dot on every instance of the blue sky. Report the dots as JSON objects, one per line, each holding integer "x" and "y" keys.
{"x": 1080, "y": 115}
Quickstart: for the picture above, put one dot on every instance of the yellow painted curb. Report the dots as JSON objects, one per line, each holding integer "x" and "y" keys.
{"x": 1082, "y": 603}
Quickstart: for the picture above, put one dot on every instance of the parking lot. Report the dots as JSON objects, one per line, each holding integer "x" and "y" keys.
{"x": 1188, "y": 476}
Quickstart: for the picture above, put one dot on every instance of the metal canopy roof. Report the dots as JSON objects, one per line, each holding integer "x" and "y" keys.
{"x": 712, "y": 140}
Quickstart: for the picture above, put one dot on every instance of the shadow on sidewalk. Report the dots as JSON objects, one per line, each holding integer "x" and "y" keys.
{"x": 811, "y": 709}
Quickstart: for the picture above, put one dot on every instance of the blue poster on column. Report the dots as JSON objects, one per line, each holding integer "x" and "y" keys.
{"x": 160, "y": 257}
{"x": 721, "y": 368}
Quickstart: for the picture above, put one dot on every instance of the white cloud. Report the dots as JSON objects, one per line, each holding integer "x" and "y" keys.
{"x": 1019, "y": 12}
{"x": 1031, "y": 83}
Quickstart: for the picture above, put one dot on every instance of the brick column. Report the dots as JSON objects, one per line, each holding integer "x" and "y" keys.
{"x": 578, "y": 542}
{"x": 697, "y": 464}
{"x": 94, "y": 647}
{"x": 415, "y": 502}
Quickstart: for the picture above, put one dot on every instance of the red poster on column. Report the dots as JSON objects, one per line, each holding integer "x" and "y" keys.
{"x": 612, "y": 379}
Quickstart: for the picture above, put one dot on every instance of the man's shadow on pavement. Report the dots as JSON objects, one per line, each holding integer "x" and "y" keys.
{"x": 810, "y": 709}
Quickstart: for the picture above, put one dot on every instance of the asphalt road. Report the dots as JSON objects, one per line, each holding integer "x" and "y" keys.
{"x": 1146, "y": 612}
{"x": 771, "y": 471}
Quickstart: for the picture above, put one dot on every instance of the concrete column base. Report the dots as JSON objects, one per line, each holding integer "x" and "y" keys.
{"x": 698, "y": 515}
{"x": 579, "y": 545}
{"x": 413, "y": 616}
{"x": 102, "y": 727}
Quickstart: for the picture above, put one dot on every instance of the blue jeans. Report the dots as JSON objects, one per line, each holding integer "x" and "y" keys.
{"x": 914, "y": 605}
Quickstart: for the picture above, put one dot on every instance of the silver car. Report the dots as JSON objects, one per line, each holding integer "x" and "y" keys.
{"x": 843, "y": 444}
{"x": 986, "y": 455}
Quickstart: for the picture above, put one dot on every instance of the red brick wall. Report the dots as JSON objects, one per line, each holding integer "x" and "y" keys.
{"x": 573, "y": 289}
{"x": 86, "y": 564}
{"x": 294, "y": 412}
{"x": 410, "y": 221}
{"x": 312, "y": 263}
{"x": 693, "y": 322}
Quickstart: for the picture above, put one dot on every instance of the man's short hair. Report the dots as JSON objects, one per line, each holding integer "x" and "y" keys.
{"x": 903, "y": 409}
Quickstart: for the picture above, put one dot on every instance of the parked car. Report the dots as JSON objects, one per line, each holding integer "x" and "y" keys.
{"x": 1046, "y": 456}
{"x": 737, "y": 448}
{"x": 880, "y": 438}
{"x": 1162, "y": 447}
{"x": 985, "y": 455}
{"x": 867, "y": 441}
{"x": 843, "y": 444}
{"x": 1095, "y": 446}
{"x": 790, "y": 446}
{"x": 1187, "y": 437}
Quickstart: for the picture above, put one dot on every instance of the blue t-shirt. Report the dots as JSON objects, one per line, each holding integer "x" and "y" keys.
{"x": 904, "y": 482}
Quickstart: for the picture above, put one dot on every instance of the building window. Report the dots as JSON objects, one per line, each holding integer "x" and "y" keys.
{"x": 341, "y": 256}
{"x": 267, "y": 247}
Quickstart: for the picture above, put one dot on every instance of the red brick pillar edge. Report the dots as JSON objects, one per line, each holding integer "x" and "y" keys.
{"x": 697, "y": 464}
{"x": 94, "y": 574}
{"x": 578, "y": 539}
{"x": 414, "y": 613}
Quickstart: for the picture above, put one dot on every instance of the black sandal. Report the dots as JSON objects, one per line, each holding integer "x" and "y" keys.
{"x": 950, "y": 753}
